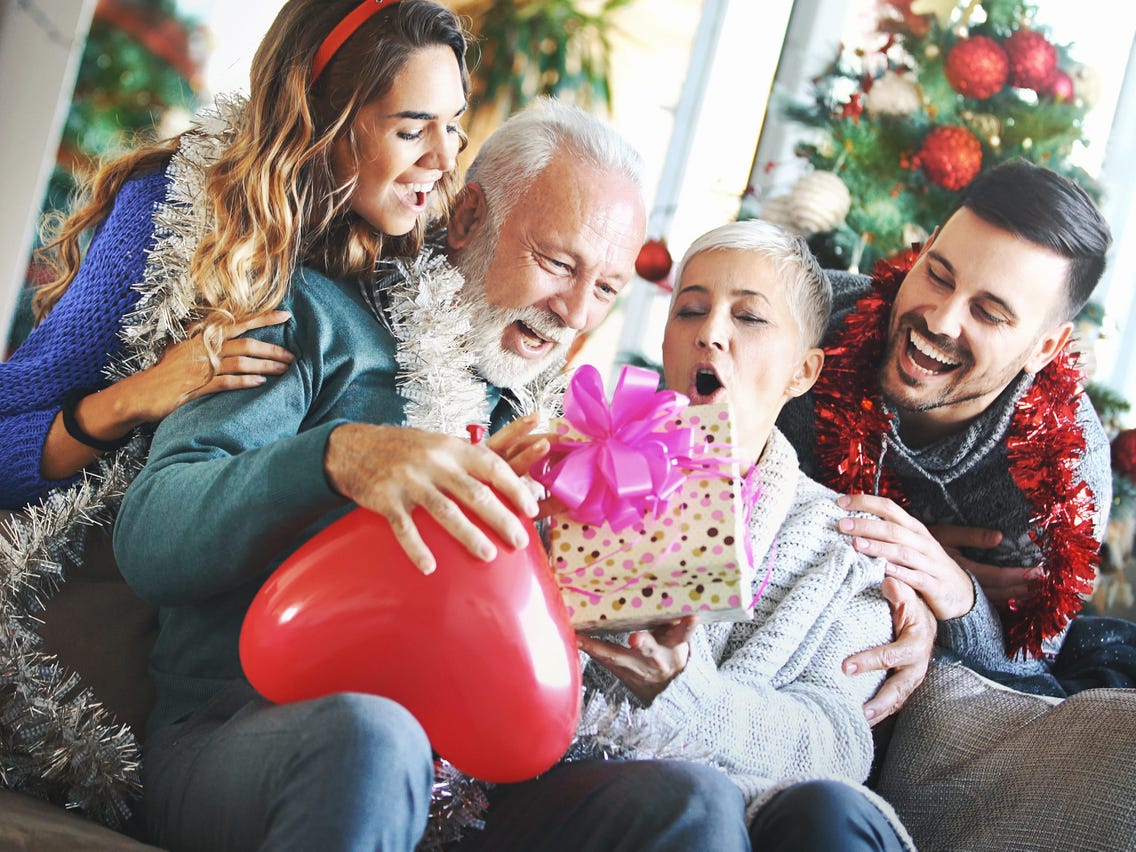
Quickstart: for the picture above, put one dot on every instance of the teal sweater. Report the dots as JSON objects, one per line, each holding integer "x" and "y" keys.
{"x": 235, "y": 483}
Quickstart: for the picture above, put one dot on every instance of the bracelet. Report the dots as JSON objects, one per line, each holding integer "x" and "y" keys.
{"x": 71, "y": 424}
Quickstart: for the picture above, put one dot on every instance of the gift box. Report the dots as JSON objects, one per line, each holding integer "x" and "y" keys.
{"x": 629, "y": 556}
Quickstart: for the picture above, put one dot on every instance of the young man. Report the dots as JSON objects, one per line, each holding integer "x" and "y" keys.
{"x": 950, "y": 407}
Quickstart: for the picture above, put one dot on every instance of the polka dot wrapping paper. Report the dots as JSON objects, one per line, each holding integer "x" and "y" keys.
{"x": 690, "y": 559}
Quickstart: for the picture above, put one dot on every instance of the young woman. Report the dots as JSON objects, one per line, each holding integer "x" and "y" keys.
{"x": 343, "y": 152}
{"x": 765, "y": 700}
{"x": 196, "y": 237}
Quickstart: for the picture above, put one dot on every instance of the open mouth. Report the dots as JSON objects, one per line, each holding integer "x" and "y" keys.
{"x": 532, "y": 339}
{"x": 927, "y": 357}
{"x": 707, "y": 385}
{"x": 417, "y": 192}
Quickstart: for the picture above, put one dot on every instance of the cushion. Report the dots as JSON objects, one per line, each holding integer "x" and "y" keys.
{"x": 99, "y": 628}
{"x": 972, "y": 765}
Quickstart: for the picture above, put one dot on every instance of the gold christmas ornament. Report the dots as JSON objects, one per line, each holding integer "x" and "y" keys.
{"x": 1086, "y": 84}
{"x": 932, "y": 51}
{"x": 942, "y": 9}
{"x": 893, "y": 94}
{"x": 819, "y": 201}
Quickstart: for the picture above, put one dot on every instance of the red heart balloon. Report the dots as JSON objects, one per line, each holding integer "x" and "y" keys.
{"x": 482, "y": 653}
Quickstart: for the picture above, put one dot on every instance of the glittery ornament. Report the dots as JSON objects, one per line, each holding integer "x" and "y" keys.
{"x": 893, "y": 94}
{"x": 819, "y": 201}
{"x": 1060, "y": 88}
{"x": 986, "y": 126}
{"x": 977, "y": 67}
{"x": 1044, "y": 445}
{"x": 1124, "y": 454}
{"x": 950, "y": 157}
{"x": 1033, "y": 60}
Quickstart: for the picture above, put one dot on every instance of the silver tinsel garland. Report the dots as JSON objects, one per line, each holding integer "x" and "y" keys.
{"x": 57, "y": 742}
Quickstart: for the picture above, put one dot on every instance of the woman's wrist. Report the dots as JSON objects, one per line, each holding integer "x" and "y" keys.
{"x": 104, "y": 434}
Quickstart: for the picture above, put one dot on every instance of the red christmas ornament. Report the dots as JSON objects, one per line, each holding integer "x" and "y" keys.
{"x": 654, "y": 261}
{"x": 950, "y": 157}
{"x": 1124, "y": 454}
{"x": 977, "y": 67}
{"x": 1060, "y": 88}
{"x": 1033, "y": 60}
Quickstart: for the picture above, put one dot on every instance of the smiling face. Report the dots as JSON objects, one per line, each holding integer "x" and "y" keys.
{"x": 553, "y": 268}
{"x": 977, "y": 308}
{"x": 731, "y": 337}
{"x": 406, "y": 140}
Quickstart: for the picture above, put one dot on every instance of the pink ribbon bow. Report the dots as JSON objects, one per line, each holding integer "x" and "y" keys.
{"x": 626, "y": 466}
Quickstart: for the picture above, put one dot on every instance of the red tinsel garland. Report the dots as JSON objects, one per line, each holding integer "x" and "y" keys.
{"x": 1044, "y": 444}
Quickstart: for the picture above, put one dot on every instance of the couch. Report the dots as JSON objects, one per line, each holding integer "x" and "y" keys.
{"x": 968, "y": 764}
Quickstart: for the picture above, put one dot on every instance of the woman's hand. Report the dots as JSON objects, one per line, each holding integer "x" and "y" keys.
{"x": 181, "y": 374}
{"x": 184, "y": 371}
{"x": 905, "y": 659}
{"x": 652, "y": 659}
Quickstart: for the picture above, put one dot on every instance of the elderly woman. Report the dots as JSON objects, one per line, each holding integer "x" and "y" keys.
{"x": 764, "y": 700}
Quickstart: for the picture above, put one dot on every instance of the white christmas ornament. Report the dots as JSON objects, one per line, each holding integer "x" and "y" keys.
{"x": 779, "y": 211}
{"x": 893, "y": 94}
{"x": 819, "y": 202}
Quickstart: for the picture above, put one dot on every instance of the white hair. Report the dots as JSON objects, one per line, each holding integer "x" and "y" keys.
{"x": 519, "y": 150}
{"x": 810, "y": 294}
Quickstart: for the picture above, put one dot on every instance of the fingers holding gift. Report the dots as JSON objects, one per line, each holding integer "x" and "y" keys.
{"x": 651, "y": 659}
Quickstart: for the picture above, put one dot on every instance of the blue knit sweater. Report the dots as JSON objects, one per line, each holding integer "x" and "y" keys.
{"x": 75, "y": 343}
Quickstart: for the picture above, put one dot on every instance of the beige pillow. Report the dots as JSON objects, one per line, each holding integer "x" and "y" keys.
{"x": 973, "y": 765}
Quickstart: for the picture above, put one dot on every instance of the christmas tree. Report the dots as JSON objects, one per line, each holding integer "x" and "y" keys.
{"x": 952, "y": 88}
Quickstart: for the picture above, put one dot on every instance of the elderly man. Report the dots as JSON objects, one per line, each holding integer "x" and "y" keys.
{"x": 951, "y": 409}
{"x": 547, "y": 233}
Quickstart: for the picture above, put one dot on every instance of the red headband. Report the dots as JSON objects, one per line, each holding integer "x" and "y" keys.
{"x": 343, "y": 31}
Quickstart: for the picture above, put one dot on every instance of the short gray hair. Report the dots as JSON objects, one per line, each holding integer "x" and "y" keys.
{"x": 517, "y": 152}
{"x": 810, "y": 294}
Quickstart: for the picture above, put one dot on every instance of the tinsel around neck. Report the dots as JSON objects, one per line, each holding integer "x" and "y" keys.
{"x": 1044, "y": 444}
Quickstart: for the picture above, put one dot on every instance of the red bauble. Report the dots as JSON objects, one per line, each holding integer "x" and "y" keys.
{"x": 977, "y": 67}
{"x": 1124, "y": 454}
{"x": 1033, "y": 60}
{"x": 951, "y": 156}
{"x": 1061, "y": 88}
{"x": 654, "y": 261}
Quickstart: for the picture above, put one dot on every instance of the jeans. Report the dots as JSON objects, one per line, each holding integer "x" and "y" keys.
{"x": 822, "y": 815}
{"x": 344, "y": 772}
{"x": 614, "y": 806}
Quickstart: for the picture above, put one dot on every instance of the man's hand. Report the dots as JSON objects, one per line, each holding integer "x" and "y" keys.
{"x": 1000, "y": 584}
{"x": 393, "y": 470}
{"x": 906, "y": 658}
{"x": 655, "y": 657}
{"x": 911, "y": 552}
{"x": 517, "y": 444}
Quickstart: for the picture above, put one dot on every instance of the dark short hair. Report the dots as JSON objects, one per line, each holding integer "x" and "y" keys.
{"x": 1039, "y": 205}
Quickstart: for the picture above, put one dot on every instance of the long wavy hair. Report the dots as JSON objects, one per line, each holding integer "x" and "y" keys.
{"x": 273, "y": 195}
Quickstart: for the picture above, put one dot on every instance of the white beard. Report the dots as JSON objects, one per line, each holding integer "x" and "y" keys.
{"x": 488, "y": 323}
